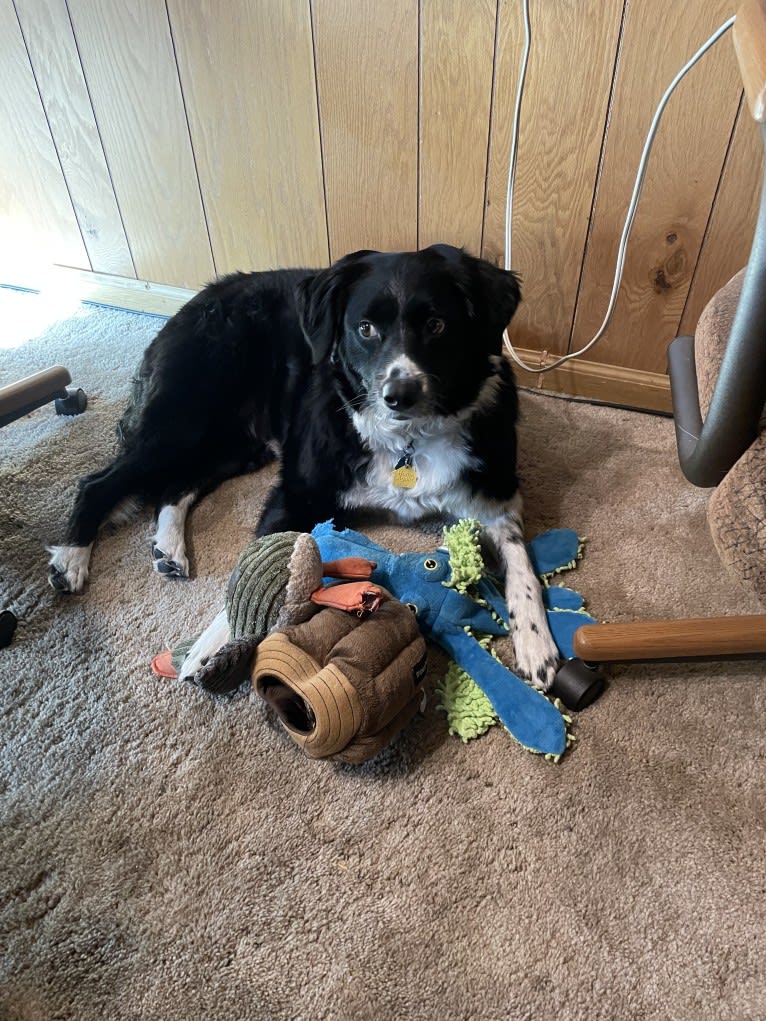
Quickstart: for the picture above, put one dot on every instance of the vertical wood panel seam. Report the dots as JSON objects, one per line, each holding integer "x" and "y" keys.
{"x": 713, "y": 204}
{"x": 490, "y": 126}
{"x": 191, "y": 138}
{"x": 418, "y": 138}
{"x": 320, "y": 131}
{"x": 100, "y": 138}
{"x": 52, "y": 137}
{"x": 599, "y": 171}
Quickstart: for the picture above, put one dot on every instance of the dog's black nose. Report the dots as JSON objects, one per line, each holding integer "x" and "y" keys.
{"x": 402, "y": 393}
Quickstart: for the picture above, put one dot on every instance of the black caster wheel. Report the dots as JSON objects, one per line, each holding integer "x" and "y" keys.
{"x": 577, "y": 684}
{"x": 8, "y": 624}
{"x": 74, "y": 403}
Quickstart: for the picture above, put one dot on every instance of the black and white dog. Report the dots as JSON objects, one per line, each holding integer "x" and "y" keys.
{"x": 383, "y": 362}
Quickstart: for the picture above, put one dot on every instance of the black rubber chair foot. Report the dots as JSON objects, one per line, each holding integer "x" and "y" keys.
{"x": 75, "y": 402}
{"x": 8, "y": 624}
{"x": 578, "y": 685}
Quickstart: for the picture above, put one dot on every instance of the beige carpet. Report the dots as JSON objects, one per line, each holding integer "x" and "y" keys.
{"x": 165, "y": 856}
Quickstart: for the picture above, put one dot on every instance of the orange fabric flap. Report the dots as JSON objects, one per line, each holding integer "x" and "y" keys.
{"x": 355, "y": 596}
{"x": 162, "y": 665}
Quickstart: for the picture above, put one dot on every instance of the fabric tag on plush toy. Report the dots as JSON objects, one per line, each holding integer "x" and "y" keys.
{"x": 404, "y": 475}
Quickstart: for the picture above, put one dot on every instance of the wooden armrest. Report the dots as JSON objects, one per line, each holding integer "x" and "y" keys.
{"x": 750, "y": 46}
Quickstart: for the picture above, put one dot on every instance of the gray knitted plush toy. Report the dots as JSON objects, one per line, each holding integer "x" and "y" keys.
{"x": 277, "y": 582}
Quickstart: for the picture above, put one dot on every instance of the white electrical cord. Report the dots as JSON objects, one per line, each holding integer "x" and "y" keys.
{"x": 632, "y": 206}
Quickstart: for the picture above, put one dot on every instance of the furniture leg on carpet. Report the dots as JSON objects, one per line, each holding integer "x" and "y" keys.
{"x": 18, "y": 399}
{"x": 701, "y": 637}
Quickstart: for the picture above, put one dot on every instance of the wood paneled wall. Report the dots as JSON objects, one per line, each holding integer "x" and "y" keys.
{"x": 171, "y": 140}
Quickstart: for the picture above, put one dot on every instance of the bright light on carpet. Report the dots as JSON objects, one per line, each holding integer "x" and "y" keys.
{"x": 26, "y": 314}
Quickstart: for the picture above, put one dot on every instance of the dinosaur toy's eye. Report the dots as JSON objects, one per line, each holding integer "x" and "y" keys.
{"x": 411, "y": 606}
{"x": 430, "y": 565}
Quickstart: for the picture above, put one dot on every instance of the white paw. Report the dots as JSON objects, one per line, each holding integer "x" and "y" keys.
{"x": 536, "y": 656}
{"x": 170, "y": 565}
{"x": 169, "y": 546}
{"x": 68, "y": 567}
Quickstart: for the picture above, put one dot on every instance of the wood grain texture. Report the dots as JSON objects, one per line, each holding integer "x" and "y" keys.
{"x": 37, "y": 221}
{"x": 258, "y": 152}
{"x": 367, "y": 70}
{"x": 292, "y": 132}
{"x": 727, "y": 240}
{"x": 671, "y": 639}
{"x": 679, "y": 190}
{"x": 562, "y": 126}
{"x": 456, "y": 55}
{"x": 56, "y": 63}
{"x": 122, "y": 292}
{"x": 595, "y": 381}
{"x": 127, "y": 55}
{"x": 750, "y": 46}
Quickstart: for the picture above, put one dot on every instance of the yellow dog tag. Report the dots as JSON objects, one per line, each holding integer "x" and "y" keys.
{"x": 404, "y": 477}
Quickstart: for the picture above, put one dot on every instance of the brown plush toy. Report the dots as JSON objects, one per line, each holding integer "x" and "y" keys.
{"x": 342, "y": 665}
{"x": 344, "y": 686}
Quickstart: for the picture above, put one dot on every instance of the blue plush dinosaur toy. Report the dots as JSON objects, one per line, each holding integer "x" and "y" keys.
{"x": 449, "y": 612}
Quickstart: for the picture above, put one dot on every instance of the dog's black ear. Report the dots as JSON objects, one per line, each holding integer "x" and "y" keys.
{"x": 493, "y": 293}
{"x": 499, "y": 289}
{"x": 321, "y": 301}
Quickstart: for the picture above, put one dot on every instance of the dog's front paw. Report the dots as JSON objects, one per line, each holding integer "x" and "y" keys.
{"x": 168, "y": 565}
{"x": 68, "y": 567}
{"x": 537, "y": 658}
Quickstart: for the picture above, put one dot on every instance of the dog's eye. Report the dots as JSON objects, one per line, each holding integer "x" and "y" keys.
{"x": 367, "y": 330}
{"x": 435, "y": 326}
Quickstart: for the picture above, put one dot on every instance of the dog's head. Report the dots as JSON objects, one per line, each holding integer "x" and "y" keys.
{"x": 412, "y": 332}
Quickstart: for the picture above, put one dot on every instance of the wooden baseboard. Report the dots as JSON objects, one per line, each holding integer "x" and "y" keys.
{"x": 116, "y": 292}
{"x": 134, "y": 295}
{"x": 595, "y": 381}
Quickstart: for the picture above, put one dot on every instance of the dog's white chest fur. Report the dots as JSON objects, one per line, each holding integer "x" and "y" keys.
{"x": 440, "y": 456}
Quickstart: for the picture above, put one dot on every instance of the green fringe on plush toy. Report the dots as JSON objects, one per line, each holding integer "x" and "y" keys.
{"x": 469, "y": 711}
{"x": 465, "y": 559}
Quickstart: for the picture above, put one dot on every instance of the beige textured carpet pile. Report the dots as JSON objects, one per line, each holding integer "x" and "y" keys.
{"x": 168, "y": 856}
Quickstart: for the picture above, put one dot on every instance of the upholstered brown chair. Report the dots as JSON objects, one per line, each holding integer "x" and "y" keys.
{"x": 718, "y": 384}
{"x": 737, "y": 507}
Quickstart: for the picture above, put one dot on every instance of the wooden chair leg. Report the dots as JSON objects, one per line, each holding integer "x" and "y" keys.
{"x": 672, "y": 639}
{"x": 18, "y": 399}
